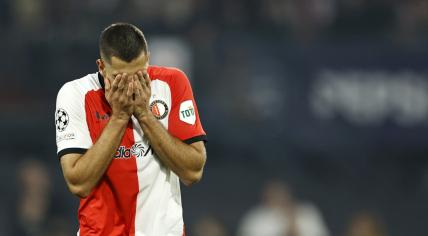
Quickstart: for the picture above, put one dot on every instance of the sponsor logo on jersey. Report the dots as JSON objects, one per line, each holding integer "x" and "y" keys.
{"x": 187, "y": 112}
{"x": 63, "y": 137}
{"x": 159, "y": 109}
{"x": 61, "y": 119}
{"x": 101, "y": 116}
{"x": 137, "y": 150}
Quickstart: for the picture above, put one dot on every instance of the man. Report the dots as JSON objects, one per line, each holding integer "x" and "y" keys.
{"x": 125, "y": 137}
{"x": 280, "y": 213}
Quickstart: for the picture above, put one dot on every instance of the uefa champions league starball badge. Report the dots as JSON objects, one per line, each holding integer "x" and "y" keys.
{"x": 61, "y": 119}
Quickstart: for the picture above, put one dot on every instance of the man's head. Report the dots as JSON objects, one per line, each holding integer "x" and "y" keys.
{"x": 123, "y": 49}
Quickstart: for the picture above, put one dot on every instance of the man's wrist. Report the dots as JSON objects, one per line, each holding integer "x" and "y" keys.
{"x": 119, "y": 119}
{"x": 145, "y": 117}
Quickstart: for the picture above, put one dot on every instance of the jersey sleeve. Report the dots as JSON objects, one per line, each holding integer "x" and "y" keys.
{"x": 72, "y": 134}
{"x": 184, "y": 122}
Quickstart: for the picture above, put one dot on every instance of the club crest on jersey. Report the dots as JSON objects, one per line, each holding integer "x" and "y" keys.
{"x": 187, "y": 112}
{"x": 159, "y": 109}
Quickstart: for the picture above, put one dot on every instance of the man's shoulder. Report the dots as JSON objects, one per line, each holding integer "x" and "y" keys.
{"x": 165, "y": 71}
{"x": 82, "y": 85}
{"x": 171, "y": 75}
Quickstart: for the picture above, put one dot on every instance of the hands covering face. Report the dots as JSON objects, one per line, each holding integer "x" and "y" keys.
{"x": 129, "y": 95}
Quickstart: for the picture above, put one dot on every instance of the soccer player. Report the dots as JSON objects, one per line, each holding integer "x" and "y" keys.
{"x": 126, "y": 135}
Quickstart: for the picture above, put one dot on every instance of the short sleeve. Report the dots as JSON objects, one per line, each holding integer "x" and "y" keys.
{"x": 184, "y": 122}
{"x": 72, "y": 134}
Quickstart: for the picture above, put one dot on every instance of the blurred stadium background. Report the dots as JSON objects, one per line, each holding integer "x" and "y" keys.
{"x": 316, "y": 110}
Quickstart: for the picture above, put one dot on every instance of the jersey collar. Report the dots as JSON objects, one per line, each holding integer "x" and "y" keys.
{"x": 101, "y": 80}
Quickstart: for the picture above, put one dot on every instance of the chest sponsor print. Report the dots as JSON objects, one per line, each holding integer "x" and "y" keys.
{"x": 137, "y": 150}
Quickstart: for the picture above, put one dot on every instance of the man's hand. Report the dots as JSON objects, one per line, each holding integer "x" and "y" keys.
{"x": 186, "y": 161}
{"x": 119, "y": 95}
{"x": 83, "y": 172}
{"x": 142, "y": 91}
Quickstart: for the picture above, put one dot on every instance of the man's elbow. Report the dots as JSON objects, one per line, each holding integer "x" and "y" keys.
{"x": 192, "y": 178}
{"x": 194, "y": 175}
{"x": 79, "y": 190}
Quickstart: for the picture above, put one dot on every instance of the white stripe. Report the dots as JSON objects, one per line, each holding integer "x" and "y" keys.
{"x": 158, "y": 210}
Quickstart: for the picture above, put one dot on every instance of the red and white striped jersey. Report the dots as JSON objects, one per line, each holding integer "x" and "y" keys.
{"x": 137, "y": 194}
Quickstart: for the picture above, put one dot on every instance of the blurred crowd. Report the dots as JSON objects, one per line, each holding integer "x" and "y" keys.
{"x": 39, "y": 208}
{"x": 301, "y": 19}
{"x": 43, "y": 28}
{"x": 54, "y": 32}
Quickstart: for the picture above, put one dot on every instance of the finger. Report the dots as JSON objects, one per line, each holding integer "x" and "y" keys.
{"x": 135, "y": 79}
{"x": 138, "y": 85}
{"x": 140, "y": 76}
{"x": 137, "y": 92}
{"x": 130, "y": 90}
{"x": 134, "y": 85}
{"x": 143, "y": 82}
{"x": 137, "y": 88}
{"x": 147, "y": 80}
{"x": 126, "y": 83}
{"x": 122, "y": 83}
{"x": 116, "y": 82}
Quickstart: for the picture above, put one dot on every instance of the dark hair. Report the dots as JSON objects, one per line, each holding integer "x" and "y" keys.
{"x": 122, "y": 40}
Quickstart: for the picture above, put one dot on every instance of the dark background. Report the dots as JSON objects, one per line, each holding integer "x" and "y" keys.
{"x": 329, "y": 96}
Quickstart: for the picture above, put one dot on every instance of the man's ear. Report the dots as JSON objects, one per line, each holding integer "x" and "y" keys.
{"x": 101, "y": 66}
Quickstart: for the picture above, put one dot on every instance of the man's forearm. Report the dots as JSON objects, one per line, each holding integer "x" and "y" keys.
{"x": 90, "y": 167}
{"x": 185, "y": 160}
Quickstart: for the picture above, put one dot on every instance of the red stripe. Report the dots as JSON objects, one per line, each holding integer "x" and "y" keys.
{"x": 184, "y": 230}
{"x": 110, "y": 208}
